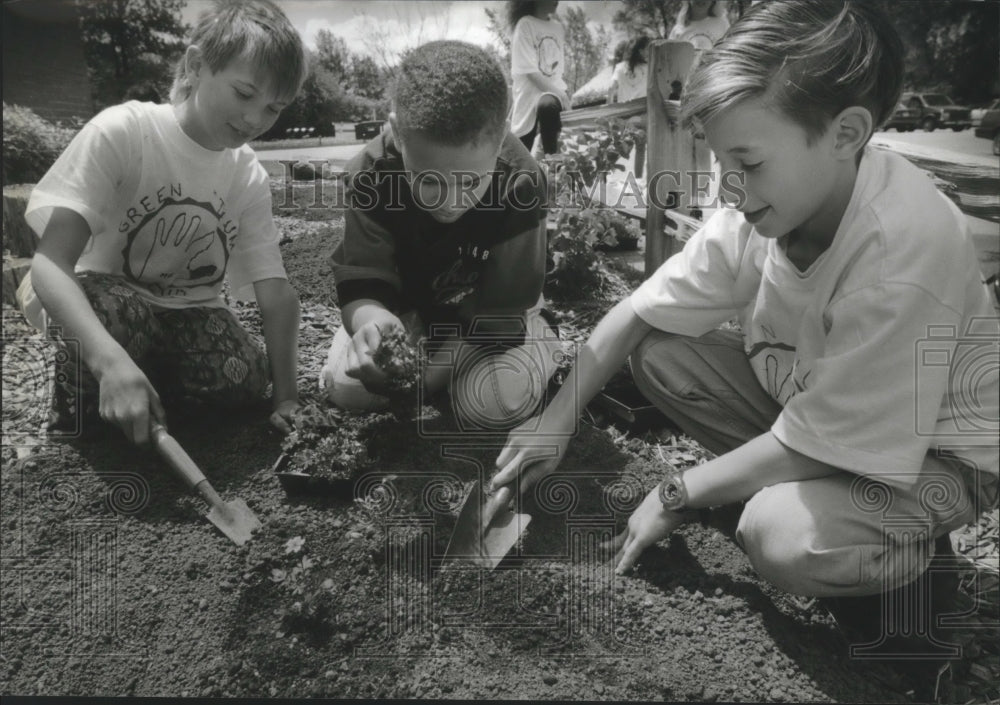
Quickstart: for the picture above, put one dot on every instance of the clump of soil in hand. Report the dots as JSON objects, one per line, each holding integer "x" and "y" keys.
{"x": 331, "y": 444}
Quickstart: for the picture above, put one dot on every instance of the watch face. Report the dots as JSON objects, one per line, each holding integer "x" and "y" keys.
{"x": 672, "y": 493}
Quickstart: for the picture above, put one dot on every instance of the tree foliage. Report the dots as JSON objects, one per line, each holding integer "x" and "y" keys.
{"x": 365, "y": 79}
{"x": 497, "y": 25}
{"x": 129, "y": 44}
{"x": 323, "y": 100}
{"x": 584, "y": 50}
{"x": 341, "y": 86}
{"x": 953, "y": 47}
{"x": 651, "y": 17}
{"x": 332, "y": 53}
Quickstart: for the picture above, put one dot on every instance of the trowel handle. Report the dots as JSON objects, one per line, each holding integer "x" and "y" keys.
{"x": 175, "y": 456}
{"x": 497, "y": 501}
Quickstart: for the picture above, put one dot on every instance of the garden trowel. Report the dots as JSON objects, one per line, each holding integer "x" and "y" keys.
{"x": 486, "y": 529}
{"x": 233, "y": 518}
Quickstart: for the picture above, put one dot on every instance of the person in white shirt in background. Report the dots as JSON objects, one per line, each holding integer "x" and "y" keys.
{"x": 628, "y": 83}
{"x": 537, "y": 63}
{"x": 701, "y": 23}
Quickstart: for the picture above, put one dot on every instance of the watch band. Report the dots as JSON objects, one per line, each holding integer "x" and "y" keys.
{"x": 673, "y": 492}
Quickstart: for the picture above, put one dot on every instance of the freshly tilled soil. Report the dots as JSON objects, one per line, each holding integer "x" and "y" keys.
{"x": 114, "y": 583}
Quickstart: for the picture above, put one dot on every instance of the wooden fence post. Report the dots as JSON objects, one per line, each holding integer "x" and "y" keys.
{"x": 670, "y": 147}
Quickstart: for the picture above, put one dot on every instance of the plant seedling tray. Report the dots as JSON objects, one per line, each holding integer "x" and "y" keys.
{"x": 625, "y": 402}
{"x": 298, "y": 484}
{"x": 623, "y": 245}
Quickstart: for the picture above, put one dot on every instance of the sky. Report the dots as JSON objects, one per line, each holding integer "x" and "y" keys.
{"x": 382, "y": 28}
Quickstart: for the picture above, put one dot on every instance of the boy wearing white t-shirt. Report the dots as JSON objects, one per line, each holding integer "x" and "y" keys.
{"x": 857, "y": 413}
{"x": 146, "y": 212}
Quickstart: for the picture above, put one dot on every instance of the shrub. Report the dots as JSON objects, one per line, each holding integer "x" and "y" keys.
{"x": 30, "y": 144}
{"x": 593, "y": 154}
{"x": 576, "y": 270}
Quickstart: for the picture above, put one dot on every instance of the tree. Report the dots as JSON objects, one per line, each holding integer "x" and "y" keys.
{"x": 656, "y": 18}
{"x": 426, "y": 22}
{"x": 952, "y": 47}
{"x": 497, "y": 24}
{"x": 332, "y": 53}
{"x": 131, "y": 43}
{"x": 652, "y": 17}
{"x": 584, "y": 51}
{"x": 365, "y": 79}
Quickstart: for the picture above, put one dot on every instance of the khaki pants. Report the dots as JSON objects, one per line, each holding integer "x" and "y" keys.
{"x": 843, "y": 534}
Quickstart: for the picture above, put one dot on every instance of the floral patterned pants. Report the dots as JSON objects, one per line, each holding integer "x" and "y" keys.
{"x": 201, "y": 353}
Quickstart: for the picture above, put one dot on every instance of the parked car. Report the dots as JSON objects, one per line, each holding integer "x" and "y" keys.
{"x": 368, "y": 129}
{"x": 904, "y": 119}
{"x": 938, "y": 110}
{"x": 989, "y": 127}
{"x": 976, "y": 114}
{"x": 321, "y": 130}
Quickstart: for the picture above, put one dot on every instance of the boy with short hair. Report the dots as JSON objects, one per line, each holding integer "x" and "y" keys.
{"x": 146, "y": 212}
{"x": 445, "y": 229}
{"x": 840, "y": 262}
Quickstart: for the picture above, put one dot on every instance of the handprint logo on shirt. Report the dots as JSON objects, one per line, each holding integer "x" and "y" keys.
{"x": 549, "y": 55}
{"x": 777, "y": 363}
{"x": 177, "y": 247}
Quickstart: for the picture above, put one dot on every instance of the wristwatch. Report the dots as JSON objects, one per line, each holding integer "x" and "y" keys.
{"x": 673, "y": 492}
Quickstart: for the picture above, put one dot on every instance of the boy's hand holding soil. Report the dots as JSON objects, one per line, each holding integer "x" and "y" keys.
{"x": 445, "y": 226}
{"x": 365, "y": 342}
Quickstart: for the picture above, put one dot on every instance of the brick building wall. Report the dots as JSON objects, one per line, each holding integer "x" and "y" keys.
{"x": 43, "y": 61}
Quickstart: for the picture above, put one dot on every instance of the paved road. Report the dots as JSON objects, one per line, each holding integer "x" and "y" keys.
{"x": 964, "y": 141}
{"x": 336, "y": 155}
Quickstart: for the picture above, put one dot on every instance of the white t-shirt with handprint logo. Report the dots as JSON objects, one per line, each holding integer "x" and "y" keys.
{"x": 172, "y": 218}
{"x": 880, "y": 351}
{"x": 536, "y": 47}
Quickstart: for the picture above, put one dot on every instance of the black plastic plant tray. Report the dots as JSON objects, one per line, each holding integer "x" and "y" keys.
{"x": 626, "y": 403}
{"x": 296, "y": 483}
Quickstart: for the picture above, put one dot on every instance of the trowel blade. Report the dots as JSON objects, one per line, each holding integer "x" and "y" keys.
{"x": 486, "y": 529}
